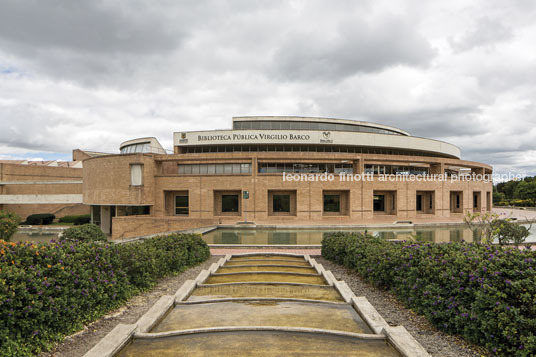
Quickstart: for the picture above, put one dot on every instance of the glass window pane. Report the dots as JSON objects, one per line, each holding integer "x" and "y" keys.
{"x": 181, "y": 205}
{"x": 236, "y": 169}
{"x": 228, "y": 169}
{"x": 136, "y": 175}
{"x": 245, "y": 168}
{"x": 281, "y": 203}
{"x": 203, "y": 169}
{"x": 211, "y": 169}
{"x": 195, "y": 169}
{"x": 229, "y": 203}
{"x": 285, "y": 125}
{"x": 219, "y": 169}
{"x": 332, "y": 203}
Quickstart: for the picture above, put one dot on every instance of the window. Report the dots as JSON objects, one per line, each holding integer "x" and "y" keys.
{"x": 229, "y": 203}
{"x": 419, "y": 202}
{"x": 332, "y": 203}
{"x": 379, "y": 203}
{"x": 181, "y": 205}
{"x": 281, "y": 203}
{"x": 136, "y": 174}
{"x": 214, "y": 169}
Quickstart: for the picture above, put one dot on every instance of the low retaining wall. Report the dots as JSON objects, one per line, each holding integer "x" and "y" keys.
{"x": 136, "y": 226}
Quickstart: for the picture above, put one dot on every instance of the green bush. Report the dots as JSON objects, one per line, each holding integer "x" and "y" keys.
{"x": 85, "y": 232}
{"x": 8, "y": 225}
{"x": 51, "y": 290}
{"x": 40, "y": 219}
{"x": 484, "y": 293}
{"x": 76, "y": 220}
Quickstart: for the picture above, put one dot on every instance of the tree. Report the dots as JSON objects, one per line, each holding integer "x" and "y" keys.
{"x": 8, "y": 225}
{"x": 488, "y": 226}
{"x": 498, "y": 197}
{"x": 526, "y": 191}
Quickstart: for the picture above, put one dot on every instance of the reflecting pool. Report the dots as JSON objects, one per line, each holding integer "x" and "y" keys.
{"x": 297, "y": 236}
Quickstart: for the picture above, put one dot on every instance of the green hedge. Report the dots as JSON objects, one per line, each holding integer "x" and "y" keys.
{"x": 86, "y": 232}
{"x": 76, "y": 220}
{"x": 516, "y": 203}
{"x": 485, "y": 293}
{"x": 48, "y": 291}
{"x": 40, "y": 219}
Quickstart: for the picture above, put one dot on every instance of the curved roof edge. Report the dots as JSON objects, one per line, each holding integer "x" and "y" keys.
{"x": 321, "y": 120}
{"x": 153, "y": 142}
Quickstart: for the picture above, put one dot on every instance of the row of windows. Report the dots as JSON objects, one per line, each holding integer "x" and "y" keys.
{"x": 130, "y": 149}
{"x": 396, "y": 170}
{"x": 308, "y": 125}
{"x": 303, "y": 148}
{"x": 214, "y": 169}
{"x": 270, "y": 168}
{"x": 382, "y": 202}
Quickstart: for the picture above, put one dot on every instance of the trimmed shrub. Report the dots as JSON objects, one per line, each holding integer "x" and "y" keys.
{"x": 76, "y": 220}
{"x": 40, "y": 219}
{"x": 48, "y": 291}
{"x": 85, "y": 232}
{"x": 83, "y": 219}
{"x": 8, "y": 225}
{"x": 484, "y": 293}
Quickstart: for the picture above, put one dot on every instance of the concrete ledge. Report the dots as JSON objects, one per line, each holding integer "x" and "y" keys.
{"x": 307, "y": 257}
{"x": 331, "y": 276}
{"x": 263, "y": 273}
{"x": 331, "y": 281}
{"x": 345, "y": 291}
{"x": 362, "y": 336}
{"x": 113, "y": 341}
{"x": 202, "y": 277}
{"x": 369, "y": 314}
{"x": 228, "y": 257}
{"x": 267, "y": 253}
{"x": 185, "y": 290}
{"x": 221, "y": 262}
{"x": 213, "y": 267}
{"x": 197, "y": 302}
{"x": 266, "y": 283}
{"x": 155, "y": 313}
{"x": 402, "y": 340}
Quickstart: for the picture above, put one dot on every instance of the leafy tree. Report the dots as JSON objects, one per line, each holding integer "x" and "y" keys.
{"x": 526, "y": 190}
{"x": 8, "y": 225}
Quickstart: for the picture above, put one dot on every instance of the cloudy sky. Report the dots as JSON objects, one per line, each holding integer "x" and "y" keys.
{"x": 91, "y": 74}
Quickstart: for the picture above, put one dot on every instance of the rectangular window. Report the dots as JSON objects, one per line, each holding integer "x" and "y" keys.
{"x": 229, "y": 203}
{"x": 332, "y": 203}
{"x": 136, "y": 174}
{"x": 281, "y": 203}
{"x": 419, "y": 202}
{"x": 181, "y": 205}
{"x": 379, "y": 203}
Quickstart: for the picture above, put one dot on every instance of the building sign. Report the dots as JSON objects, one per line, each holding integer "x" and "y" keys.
{"x": 183, "y": 139}
{"x": 253, "y": 137}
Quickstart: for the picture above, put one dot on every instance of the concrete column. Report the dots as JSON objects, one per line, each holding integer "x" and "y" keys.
{"x": 106, "y": 219}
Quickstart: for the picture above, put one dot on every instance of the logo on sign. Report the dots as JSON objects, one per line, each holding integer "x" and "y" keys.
{"x": 326, "y": 138}
{"x": 183, "y": 139}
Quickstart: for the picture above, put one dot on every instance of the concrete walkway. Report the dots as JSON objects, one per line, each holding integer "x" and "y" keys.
{"x": 261, "y": 305}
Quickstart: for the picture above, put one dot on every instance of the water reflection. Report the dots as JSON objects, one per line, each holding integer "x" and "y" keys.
{"x": 35, "y": 236}
{"x": 456, "y": 233}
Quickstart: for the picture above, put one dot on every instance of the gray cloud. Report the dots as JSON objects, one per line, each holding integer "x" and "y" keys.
{"x": 352, "y": 46}
{"x": 486, "y": 32}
